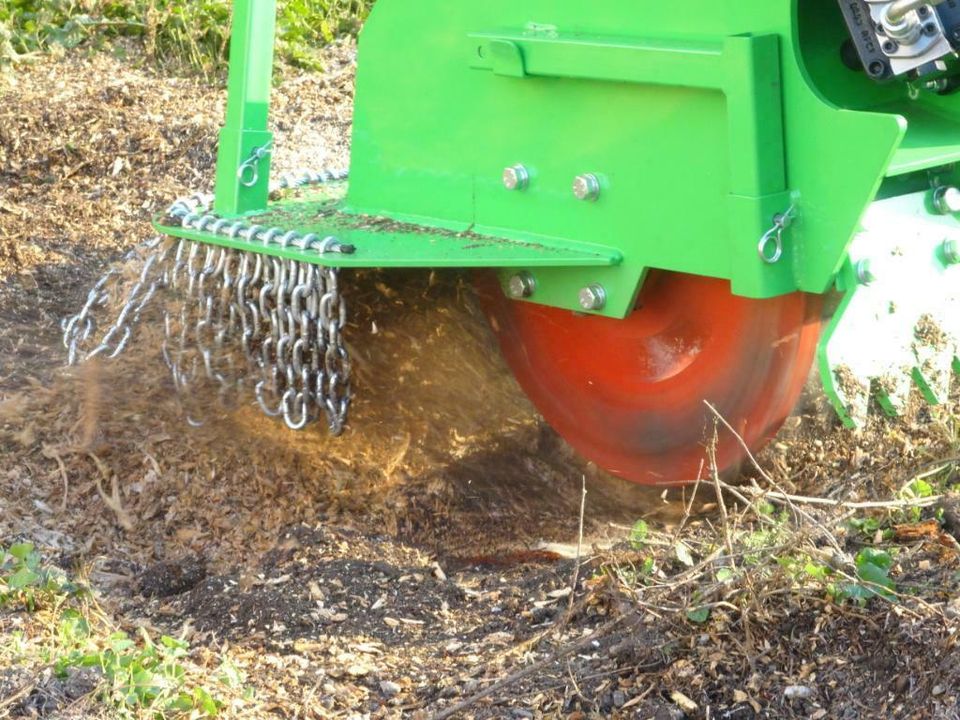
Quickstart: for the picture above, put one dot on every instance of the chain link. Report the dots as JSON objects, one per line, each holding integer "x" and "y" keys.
{"x": 285, "y": 316}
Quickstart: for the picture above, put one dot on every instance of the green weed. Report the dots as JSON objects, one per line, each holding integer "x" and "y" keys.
{"x": 873, "y": 578}
{"x": 176, "y": 33}
{"x": 137, "y": 675}
{"x": 26, "y": 582}
{"x": 66, "y": 630}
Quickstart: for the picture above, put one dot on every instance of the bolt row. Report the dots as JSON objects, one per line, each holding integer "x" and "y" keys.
{"x": 523, "y": 285}
{"x": 586, "y": 187}
{"x": 867, "y": 269}
{"x": 946, "y": 201}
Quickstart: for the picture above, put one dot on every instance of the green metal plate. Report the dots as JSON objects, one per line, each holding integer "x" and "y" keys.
{"x": 385, "y": 243}
{"x": 903, "y": 327}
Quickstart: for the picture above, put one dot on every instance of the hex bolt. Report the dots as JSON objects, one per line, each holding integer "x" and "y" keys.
{"x": 865, "y": 273}
{"x": 951, "y": 251}
{"x": 593, "y": 297}
{"x": 522, "y": 285}
{"x": 946, "y": 200}
{"x": 516, "y": 177}
{"x": 586, "y": 187}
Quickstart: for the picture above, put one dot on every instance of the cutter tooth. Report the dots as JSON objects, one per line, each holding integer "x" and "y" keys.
{"x": 934, "y": 350}
{"x": 898, "y": 324}
{"x": 854, "y": 394}
{"x": 893, "y": 393}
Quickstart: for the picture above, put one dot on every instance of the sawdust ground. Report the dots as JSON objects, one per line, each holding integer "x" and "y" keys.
{"x": 416, "y": 549}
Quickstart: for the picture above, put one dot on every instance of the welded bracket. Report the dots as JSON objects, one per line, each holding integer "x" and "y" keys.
{"x": 745, "y": 68}
{"x": 243, "y": 156}
{"x": 898, "y": 324}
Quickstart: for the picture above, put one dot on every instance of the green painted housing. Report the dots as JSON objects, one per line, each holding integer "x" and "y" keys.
{"x": 701, "y": 121}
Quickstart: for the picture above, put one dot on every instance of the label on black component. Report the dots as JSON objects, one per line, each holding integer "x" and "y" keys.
{"x": 859, "y": 21}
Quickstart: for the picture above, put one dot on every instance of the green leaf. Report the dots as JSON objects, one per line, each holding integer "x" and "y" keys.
{"x": 638, "y": 534}
{"x": 24, "y": 577}
{"x": 878, "y": 581}
{"x": 206, "y": 702}
{"x": 173, "y": 643}
{"x": 698, "y": 615}
{"x": 21, "y": 551}
{"x": 119, "y": 642}
{"x": 817, "y": 572}
{"x": 725, "y": 575}
{"x": 873, "y": 569}
{"x": 918, "y": 489}
{"x": 868, "y": 526}
{"x": 872, "y": 556}
{"x": 146, "y": 681}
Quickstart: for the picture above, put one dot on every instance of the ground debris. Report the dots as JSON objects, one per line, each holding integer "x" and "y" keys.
{"x": 423, "y": 561}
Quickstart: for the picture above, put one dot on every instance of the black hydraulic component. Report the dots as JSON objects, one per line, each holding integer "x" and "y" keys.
{"x": 949, "y": 13}
{"x": 863, "y": 33}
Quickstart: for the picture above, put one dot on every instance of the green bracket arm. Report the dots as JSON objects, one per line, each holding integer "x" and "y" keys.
{"x": 243, "y": 156}
{"x": 745, "y": 68}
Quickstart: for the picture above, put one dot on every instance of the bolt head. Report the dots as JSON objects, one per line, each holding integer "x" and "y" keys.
{"x": 951, "y": 251}
{"x": 946, "y": 200}
{"x": 516, "y": 178}
{"x": 522, "y": 285}
{"x": 593, "y": 298}
{"x": 865, "y": 272}
{"x": 586, "y": 187}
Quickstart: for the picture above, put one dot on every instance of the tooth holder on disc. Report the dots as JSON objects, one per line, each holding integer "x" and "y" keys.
{"x": 665, "y": 197}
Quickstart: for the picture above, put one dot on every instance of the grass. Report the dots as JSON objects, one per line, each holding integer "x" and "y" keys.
{"x": 177, "y": 34}
{"x": 59, "y": 625}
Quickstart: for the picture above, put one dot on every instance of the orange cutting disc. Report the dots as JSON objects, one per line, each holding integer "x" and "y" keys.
{"x": 629, "y": 394}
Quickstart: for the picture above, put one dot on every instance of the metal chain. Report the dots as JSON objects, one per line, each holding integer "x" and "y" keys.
{"x": 285, "y": 316}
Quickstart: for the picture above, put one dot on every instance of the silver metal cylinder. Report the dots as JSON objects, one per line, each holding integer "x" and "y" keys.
{"x": 946, "y": 200}
{"x": 901, "y": 8}
{"x": 903, "y": 23}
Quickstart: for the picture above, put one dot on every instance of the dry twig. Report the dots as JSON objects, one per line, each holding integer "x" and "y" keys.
{"x": 113, "y": 500}
{"x": 576, "y": 565}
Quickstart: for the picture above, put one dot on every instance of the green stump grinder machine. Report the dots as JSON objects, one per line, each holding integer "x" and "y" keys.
{"x": 663, "y": 205}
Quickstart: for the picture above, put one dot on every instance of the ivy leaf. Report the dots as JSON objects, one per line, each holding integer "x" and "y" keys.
{"x": 698, "y": 615}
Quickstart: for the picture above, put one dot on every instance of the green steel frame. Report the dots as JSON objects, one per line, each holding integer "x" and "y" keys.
{"x": 700, "y": 125}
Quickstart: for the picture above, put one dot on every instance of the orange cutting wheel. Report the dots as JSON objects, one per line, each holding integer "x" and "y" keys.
{"x": 629, "y": 394}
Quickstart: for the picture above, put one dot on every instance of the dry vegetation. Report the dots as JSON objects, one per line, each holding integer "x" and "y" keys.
{"x": 426, "y": 564}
